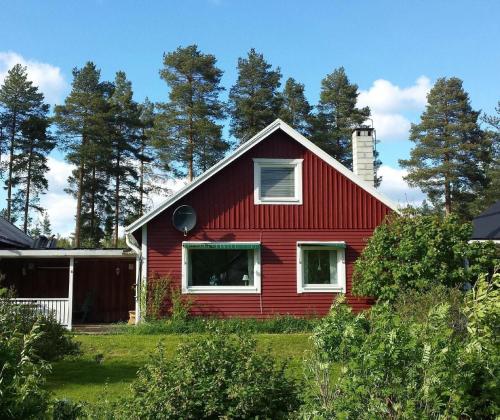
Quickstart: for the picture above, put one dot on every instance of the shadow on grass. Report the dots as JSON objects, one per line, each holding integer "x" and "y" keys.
{"x": 88, "y": 372}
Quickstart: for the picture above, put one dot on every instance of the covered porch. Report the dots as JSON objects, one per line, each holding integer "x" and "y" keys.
{"x": 77, "y": 286}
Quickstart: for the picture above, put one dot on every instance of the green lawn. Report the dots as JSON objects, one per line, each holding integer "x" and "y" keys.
{"x": 83, "y": 378}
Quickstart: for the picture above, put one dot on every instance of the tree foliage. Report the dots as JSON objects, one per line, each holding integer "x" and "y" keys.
{"x": 295, "y": 109}
{"x": 189, "y": 122}
{"x": 489, "y": 191}
{"x": 24, "y": 124}
{"x": 419, "y": 252}
{"x": 451, "y": 152}
{"x": 254, "y": 100}
{"x": 402, "y": 367}
{"x": 337, "y": 116}
{"x": 83, "y": 128}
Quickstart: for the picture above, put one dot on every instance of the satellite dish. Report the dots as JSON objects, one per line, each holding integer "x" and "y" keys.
{"x": 184, "y": 218}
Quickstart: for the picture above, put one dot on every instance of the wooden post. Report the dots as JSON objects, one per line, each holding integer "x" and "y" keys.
{"x": 144, "y": 268}
{"x": 138, "y": 290}
{"x": 70, "y": 292}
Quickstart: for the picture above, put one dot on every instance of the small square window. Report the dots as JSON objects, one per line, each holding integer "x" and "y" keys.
{"x": 320, "y": 267}
{"x": 278, "y": 181}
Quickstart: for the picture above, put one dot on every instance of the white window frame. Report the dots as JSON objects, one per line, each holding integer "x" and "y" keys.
{"x": 278, "y": 163}
{"x": 253, "y": 289}
{"x": 340, "y": 287}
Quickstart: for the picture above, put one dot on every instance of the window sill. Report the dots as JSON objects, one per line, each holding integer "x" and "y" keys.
{"x": 221, "y": 290}
{"x": 321, "y": 289}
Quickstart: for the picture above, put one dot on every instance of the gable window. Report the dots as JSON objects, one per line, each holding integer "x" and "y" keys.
{"x": 221, "y": 267}
{"x": 320, "y": 267}
{"x": 278, "y": 181}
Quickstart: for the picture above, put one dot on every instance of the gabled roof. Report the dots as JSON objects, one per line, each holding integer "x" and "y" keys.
{"x": 486, "y": 226}
{"x": 12, "y": 236}
{"x": 263, "y": 134}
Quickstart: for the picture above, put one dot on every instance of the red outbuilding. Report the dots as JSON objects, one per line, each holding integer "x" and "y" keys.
{"x": 274, "y": 228}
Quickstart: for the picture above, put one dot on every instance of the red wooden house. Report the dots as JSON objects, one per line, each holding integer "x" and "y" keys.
{"x": 279, "y": 225}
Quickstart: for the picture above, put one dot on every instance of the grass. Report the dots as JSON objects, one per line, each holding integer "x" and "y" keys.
{"x": 88, "y": 378}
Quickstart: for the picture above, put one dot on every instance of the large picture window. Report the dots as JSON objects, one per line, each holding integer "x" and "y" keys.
{"x": 221, "y": 267}
{"x": 320, "y": 267}
{"x": 278, "y": 181}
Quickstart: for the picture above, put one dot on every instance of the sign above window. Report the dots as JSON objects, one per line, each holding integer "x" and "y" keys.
{"x": 278, "y": 181}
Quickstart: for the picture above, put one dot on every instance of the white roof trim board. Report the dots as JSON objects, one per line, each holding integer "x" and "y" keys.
{"x": 65, "y": 253}
{"x": 263, "y": 134}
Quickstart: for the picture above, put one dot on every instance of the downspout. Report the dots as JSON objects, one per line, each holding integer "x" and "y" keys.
{"x": 134, "y": 246}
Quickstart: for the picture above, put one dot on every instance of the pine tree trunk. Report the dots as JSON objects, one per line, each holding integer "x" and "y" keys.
{"x": 92, "y": 206}
{"x": 79, "y": 196}
{"x": 117, "y": 201}
{"x": 447, "y": 198}
{"x": 447, "y": 189}
{"x": 190, "y": 140}
{"x": 28, "y": 187}
{"x": 11, "y": 159}
{"x": 141, "y": 182}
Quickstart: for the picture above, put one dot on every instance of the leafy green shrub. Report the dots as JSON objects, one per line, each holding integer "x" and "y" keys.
{"x": 67, "y": 410}
{"x": 22, "y": 375}
{"x": 54, "y": 341}
{"x": 394, "y": 366}
{"x": 216, "y": 376}
{"x": 180, "y": 305}
{"x": 158, "y": 291}
{"x": 416, "y": 252}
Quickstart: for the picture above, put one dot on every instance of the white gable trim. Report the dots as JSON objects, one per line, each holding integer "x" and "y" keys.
{"x": 263, "y": 134}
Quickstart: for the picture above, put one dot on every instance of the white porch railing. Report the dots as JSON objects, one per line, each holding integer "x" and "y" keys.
{"x": 59, "y": 307}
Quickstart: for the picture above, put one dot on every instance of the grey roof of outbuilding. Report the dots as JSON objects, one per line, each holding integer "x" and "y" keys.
{"x": 487, "y": 224}
{"x": 12, "y": 236}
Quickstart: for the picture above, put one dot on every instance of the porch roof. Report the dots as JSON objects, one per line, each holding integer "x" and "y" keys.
{"x": 66, "y": 253}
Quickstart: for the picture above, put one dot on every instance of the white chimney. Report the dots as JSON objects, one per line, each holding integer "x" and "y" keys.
{"x": 362, "y": 154}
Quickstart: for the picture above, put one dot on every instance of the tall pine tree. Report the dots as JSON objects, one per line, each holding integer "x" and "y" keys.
{"x": 83, "y": 126}
{"x": 337, "y": 115}
{"x": 125, "y": 145}
{"x": 295, "y": 109}
{"x": 19, "y": 101}
{"x": 448, "y": 159}
{"x": 30, "y": 166}
{"x": 190, "y": 132}
{"x": 254, "y": 100}
{"x": 489, "y": 193}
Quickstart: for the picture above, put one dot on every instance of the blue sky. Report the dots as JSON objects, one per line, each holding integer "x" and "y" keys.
{"x": 394, "y": 51}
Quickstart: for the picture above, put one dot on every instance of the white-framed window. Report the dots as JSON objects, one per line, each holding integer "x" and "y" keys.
{"x": 278, "y": 181}
{"x": 220, "y": 267}
{"x": 321, "y": 267}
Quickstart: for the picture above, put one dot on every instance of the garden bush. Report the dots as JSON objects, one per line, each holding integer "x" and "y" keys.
{"x": 391, "y": 365}
{"x": 54, "y": 341}
{"x": 216, "y": 376}
{"x": 419, "y": 252}
{"x": 163, "y": 299}
{"x": 22, "y": 375}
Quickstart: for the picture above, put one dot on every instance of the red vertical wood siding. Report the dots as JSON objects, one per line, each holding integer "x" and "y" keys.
{"x": 333, "y": 209}
{"x": 112, "y": 293}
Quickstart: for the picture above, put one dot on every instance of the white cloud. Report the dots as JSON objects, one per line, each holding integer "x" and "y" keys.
{"x": 389, "y": 103}
{"x": 397, "y": 189}
{"x": 61, "y": 208}
{"x": 58, "y": 174}
{"x": 46, "y": 76}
